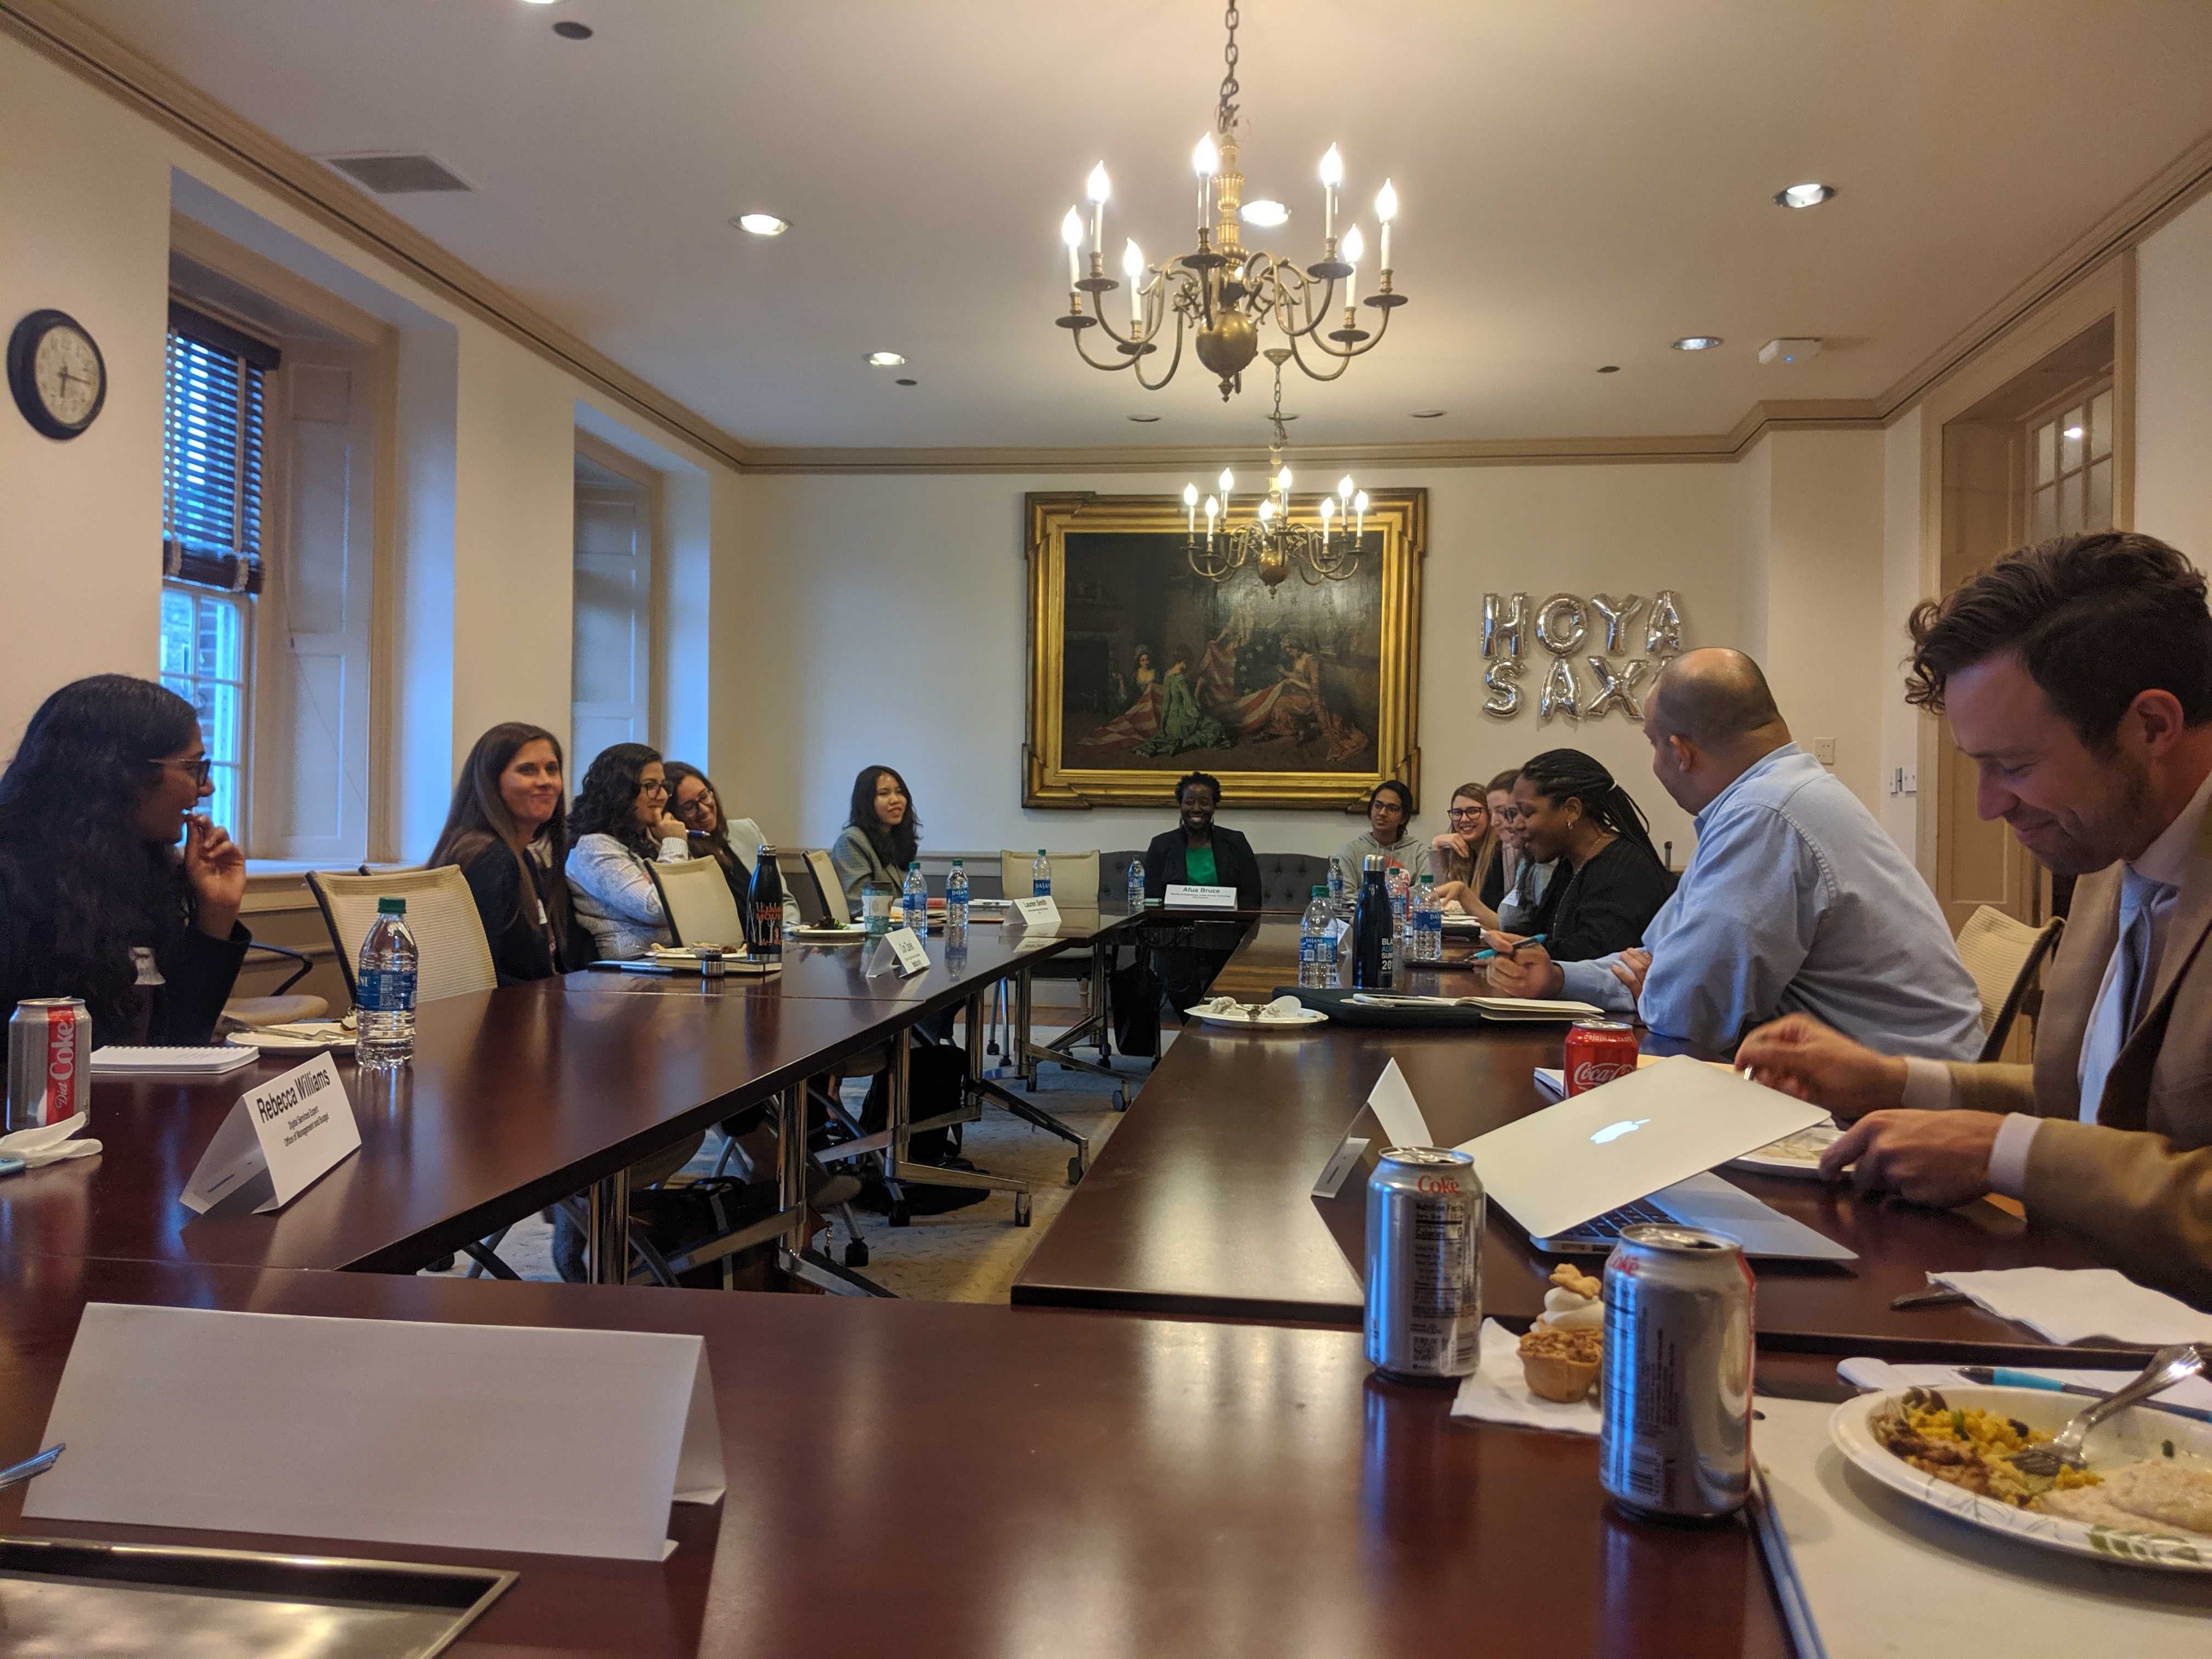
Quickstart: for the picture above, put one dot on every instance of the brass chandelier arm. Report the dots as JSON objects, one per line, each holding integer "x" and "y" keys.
{"x": 1289, "y": 303}
{"x": 1137, "y": 361}
{"x": 1129, "y": 361}
{"x": 1357, "y": 348}
{"x": 1313, "y": 374}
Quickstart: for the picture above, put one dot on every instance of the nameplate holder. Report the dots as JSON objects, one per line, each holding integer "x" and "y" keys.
{"x": 912, "y": 954}
{"x": 1039, "y": 915}
{"x": 1183, "y": 897}
{"x": 296, "y": 1128}
{"x": 395, "y": 1431}
{"x": 1345, "y": 1161}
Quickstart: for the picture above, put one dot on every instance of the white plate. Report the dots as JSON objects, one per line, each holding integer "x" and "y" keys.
{"x": 1304, "y": 1017}
{"x": 2135, "y": 1434}
{"x": 1798, "y": 1155}
{"x": 338, "y": 1037}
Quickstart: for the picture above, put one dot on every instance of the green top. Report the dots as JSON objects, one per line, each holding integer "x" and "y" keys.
{"x": 1198, "y": 865}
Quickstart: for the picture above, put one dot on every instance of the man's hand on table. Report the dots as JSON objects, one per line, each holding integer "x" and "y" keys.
{"x": 1802, "y": 1057}
{"x": 1936, "y": 1159}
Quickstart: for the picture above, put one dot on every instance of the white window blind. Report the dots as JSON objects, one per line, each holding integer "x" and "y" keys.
{"x": 212, "y": 454}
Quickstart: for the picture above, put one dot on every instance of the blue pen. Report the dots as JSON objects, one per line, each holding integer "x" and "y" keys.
{"x": 1489, "y": 956}
{"x": 1999, "y": 1376}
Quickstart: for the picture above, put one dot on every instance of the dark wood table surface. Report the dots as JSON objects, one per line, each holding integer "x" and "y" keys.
{"x": 942, "y": 1480}
{"x": 1200, "y": 1203}
{"x": 517, "y": 1097}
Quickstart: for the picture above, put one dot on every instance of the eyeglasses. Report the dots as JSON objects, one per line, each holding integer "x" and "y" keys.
{"x": 692, "y": 808}
{"x": 202, "y": 769}
{"x": 658, "y": 787}
{"x": 1465, "y": 812}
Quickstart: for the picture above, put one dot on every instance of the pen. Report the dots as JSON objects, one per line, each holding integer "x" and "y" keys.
{"x": 1487, "y": 956}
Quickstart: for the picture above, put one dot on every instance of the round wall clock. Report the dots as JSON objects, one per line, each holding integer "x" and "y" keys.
{"x": 57, "y": 373}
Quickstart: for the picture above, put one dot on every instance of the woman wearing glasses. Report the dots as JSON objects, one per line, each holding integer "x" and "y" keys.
{"x": 1467, "y": 859}
{"x": 97, "y": 899}
{"x": 621, "y": 821}
{"x": 695, "y": 804}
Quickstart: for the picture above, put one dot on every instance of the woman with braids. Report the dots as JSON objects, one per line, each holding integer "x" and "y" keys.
{"x": 1612, "y": 883}
{"x": 96, "y": 899}
{"x": 507, "y": 831}
{"x": 621, "y": 823}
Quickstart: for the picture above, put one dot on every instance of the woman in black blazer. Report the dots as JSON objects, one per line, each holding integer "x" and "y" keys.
{"x": 1198, "y": 853}
{"x": 507, "y": 830}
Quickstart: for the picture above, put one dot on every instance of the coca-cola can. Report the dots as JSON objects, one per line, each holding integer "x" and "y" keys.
{"x": 1424, "y": 1222}
{"x": 1675, "y": 1377}
{"x": 1598, "y": 1051}
{"x": 49, "y": 1062}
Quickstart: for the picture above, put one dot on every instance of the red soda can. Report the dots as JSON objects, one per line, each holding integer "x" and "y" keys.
{"x": 1598, "y": 1051}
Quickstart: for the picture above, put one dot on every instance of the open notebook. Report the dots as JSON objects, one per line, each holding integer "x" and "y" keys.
{"x": 222, "y": 1058}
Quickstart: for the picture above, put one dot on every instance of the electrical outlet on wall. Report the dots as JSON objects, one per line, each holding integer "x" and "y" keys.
{"x": 1911, "y": 779}
{"x": 1824, "y": 750}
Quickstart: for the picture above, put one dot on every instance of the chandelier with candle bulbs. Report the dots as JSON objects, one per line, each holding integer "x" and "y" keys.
{"x": 1325, "y": 547}
{"x": 1225, "y": 293}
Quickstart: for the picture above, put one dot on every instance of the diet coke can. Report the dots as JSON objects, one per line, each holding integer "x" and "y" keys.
{"x": 1424, "y": 1220}
{"x": 1675, "y": 1379}
{"x": 49, "y": 1062}
{"x": 1598, "y": 1051}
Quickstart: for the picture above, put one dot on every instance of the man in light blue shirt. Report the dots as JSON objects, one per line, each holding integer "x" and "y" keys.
{"x": 1794, "y": 901}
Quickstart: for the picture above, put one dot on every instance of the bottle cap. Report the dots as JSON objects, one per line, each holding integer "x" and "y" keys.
{"x": 392, "y": 907}
{"x": 1321, "y": 891}
{"x": 1373, "y": 861}
{"x": 1040, "y": 851}
{"x": 956, "y": 863}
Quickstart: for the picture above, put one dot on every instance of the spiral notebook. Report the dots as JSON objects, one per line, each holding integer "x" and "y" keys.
{"x": 221, "y": 1058}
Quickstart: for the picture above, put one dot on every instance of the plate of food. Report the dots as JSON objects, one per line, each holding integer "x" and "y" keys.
{"x": 2145, "y": 1497}
{"x": 1284, "y": 1013}
{"x": 303, "y": 1036}
{"x": 1798, "y": 1155}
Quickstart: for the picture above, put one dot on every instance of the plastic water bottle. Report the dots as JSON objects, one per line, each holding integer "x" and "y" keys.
{"x": 1336, "y": 888}
{"x": 1402, "y": 910}
{"x": 956, "y": 906}
{"x": 1318, "y": 944}
{"x": 1136, "y": 885}
{"x": 913, "y": 901}
{"x": 1040, "y": 876}
{"x": 1428, "y": 922}
{"x": 384, "y": 1000}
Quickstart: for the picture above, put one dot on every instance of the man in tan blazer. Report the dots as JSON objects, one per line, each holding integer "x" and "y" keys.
{"x": 2077, "y": 676}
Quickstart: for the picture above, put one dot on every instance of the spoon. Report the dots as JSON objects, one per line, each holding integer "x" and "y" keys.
{"x": 2167, "y": 1367}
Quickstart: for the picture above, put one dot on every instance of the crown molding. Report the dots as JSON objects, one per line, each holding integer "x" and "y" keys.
{"x": 216, "y": 130}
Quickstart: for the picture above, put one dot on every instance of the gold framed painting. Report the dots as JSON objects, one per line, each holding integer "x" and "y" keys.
{"x": 1295, "y": 691}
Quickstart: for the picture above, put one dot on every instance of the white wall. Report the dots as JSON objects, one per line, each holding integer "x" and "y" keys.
{"x": 2174, "y": 383}
{"x": 1907, "y": 577}
{"x": 887, "y": 625}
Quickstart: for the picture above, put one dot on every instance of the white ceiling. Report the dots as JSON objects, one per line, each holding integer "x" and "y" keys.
{"x": 1581, "y": 183}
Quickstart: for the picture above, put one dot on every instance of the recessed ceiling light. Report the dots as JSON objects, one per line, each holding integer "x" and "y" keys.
{"x": 756, "y": 224}
{"x": 1144, "y": 420}
{"x": 1811, "y": 193}
{"x": 541, "y": 2}
{"x": 885, "y": 360}
{"x": 903, "y": 382}
{"x": 572, "y": 30}
{"x": 1697, "y": 342}
{"x": 2074, "y": 432}
{"x": 1426, "y": 414}
{"x": 1609, "y": 368}
{"x": 1266, "y": 213}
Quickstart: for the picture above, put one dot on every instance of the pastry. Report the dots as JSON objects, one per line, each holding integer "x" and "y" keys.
{"x": 1560, "y": 1354}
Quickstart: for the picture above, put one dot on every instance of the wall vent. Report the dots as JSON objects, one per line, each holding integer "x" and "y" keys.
{"x": 389, "y": 173}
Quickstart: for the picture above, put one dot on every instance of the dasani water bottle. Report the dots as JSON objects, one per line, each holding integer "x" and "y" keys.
{"x": 1318, "y": 944}
{"x": 1136, "y": 885}
{"x": 1040, "y": 876}
{"x": 384, "y": 1000}
{"x": 956, "y": 906}
{"x": 1428, "y": 922}
{"x": 913, "y": 901}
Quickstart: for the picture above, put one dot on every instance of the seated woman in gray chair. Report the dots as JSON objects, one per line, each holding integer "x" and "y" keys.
{"x": 695, "y": 804}
{"x": 1198, "y": 853}
{"x": 882, "y": 834}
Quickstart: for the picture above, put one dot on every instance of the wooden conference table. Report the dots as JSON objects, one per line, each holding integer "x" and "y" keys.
{"x": 946, "y": 1480}
{"x": 1199, "y": 1203}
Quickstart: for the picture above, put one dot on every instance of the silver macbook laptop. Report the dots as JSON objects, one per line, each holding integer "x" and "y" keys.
{"x": 1645, "y": 1145}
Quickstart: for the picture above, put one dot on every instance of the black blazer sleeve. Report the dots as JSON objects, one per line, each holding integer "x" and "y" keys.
{"x": 518, "y": 946}
{"x": 200, "y": 971}
{"x": 1606, "y": 905}
{"x": 1237, "y": 866}
{"x": 1163, "y": 863}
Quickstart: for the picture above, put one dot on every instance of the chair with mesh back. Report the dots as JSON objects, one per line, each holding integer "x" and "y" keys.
{"x": 2004, "y": 955}
{"x": 702, "y": 909}
{"x": 441, "y": 914}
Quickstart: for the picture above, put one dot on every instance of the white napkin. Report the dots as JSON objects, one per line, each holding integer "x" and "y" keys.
{"x": 1881, "y": 1375}
{"x": 1283, "y": 1008}
{"x": 49, "y": 1143}
{"x": 1498, "y": 1392}
{"x": 2063, "y": 1304}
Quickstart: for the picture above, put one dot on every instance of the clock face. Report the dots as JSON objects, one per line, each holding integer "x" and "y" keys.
{"x": 67, "y": 372}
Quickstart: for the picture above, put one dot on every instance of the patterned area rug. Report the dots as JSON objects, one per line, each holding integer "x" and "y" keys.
{"x": 969, "y": 1255}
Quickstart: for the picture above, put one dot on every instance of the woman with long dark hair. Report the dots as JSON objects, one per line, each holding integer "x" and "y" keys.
{"x": 621, "y": 823}
{"x": 882, "y": 834}
{"x": 507, "y": 831}
{"x": 97, "y": 901}
{"x": 1612, "y": 883}
{"x": 695, "y": 804}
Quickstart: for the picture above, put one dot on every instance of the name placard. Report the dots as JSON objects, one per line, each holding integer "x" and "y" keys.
{"x": 1394, "y": 1107}
{"x": 1181, "y": 898}
{"x": 1039, "y": 915}
{"x": 297, "y": 1127}
{"x": 913, "y": 958}
{"x": 1342, "y": 1163}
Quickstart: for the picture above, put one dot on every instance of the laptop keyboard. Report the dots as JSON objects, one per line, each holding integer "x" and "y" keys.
{"x": 1606, "y": 1229}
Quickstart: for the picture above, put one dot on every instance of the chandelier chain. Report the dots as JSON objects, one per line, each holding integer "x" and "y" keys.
{"x": 1227, "y": 119}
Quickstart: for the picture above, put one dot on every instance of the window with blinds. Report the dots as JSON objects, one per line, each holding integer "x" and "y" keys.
{"x": 212, "y": 454}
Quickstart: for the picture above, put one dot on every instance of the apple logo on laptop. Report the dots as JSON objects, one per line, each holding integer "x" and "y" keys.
{"x": 1614, "y": 1131}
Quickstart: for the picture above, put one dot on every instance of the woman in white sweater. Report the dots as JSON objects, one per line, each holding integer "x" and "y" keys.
{"x": 621, "y": 823}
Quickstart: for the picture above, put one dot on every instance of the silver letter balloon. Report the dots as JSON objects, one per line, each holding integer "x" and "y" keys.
{"x": 1561, "y": 625}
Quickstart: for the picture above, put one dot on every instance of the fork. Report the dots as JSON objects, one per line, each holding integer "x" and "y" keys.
{"x": 2064, "y": 1451}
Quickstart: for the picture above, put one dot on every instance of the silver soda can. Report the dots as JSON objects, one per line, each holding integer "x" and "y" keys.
{"x": 1676, "y": 1382}
{"x": 49, "y": 1062}
{"x": 1424, "y": 1221}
